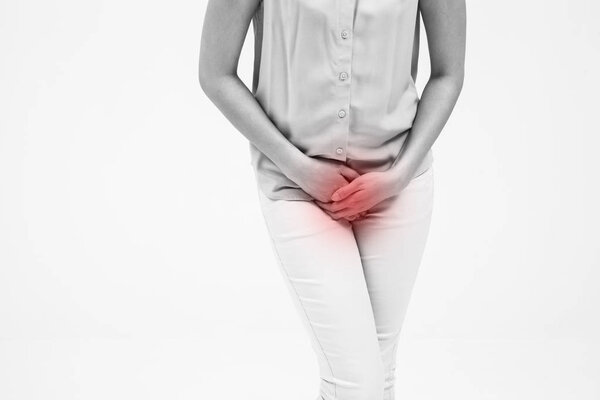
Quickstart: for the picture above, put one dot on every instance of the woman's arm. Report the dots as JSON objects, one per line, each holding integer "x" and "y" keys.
{"x": 225, "y": 27}
{"x": 445, "y": 24}
{"x": 414, "y": 68}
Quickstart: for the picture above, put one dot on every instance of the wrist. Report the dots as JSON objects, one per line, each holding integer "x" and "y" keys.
{"x": 292, "y": 162}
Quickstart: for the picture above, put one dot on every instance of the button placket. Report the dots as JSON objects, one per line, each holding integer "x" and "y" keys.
{"x": 344, "y": 65}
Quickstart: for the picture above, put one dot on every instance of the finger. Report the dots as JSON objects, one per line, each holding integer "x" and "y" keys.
{"x": 332, "y": 214}
{"x": 349, "y": 173}
{"x": 346, "y": 212}
{"x": 333, "y": 210}
{"x": 331, "y": 205}
{"x": 360, "y": 210}
{"x": 330, "y": 208}
{"x": 346, "y": 190}
{"x": 358, "y": 216}
{"x": 326, "y": 206}
{"x": 355, "y": 201}
{"x": 336, "y": 206}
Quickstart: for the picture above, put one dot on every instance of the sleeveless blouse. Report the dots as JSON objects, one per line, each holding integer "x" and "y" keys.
{"x": 334, "y": 76}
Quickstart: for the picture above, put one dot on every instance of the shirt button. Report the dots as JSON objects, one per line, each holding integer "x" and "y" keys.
{"x": 339, "y": 150}
{"x": 341, "y": 113}
{"x": 345, "y": 34}
{"x": 343, "y": 76}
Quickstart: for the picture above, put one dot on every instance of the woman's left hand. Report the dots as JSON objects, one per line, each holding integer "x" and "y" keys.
{"x": 361, "y": 194}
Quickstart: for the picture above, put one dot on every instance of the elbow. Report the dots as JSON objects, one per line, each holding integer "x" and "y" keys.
{"x": 204, "y": 78}
{"x": 212, "y": 82}
{"x": 452, "y": 79}
{"x": 207, "y": 77}
{"x": 206, "y": 81}
{"x": 212, "y": 74}
{"x": 458, "y": 81}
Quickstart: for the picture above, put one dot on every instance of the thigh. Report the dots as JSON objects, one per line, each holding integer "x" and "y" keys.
{"x": 320, "y": 262}
{"x": 391, "y": 241}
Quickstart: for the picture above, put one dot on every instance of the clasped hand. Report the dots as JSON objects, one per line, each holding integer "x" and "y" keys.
{"x": 353, "y": 200}
{"x": 340, "y": 190}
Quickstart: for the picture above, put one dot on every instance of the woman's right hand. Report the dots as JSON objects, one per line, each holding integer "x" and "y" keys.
{"x": 320, "y": 178}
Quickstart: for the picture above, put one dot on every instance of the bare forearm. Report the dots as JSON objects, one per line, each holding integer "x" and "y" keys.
{"x": 445, "y": 24}
{"x": 233, "y": 98}
{"x": 436, "y": 105}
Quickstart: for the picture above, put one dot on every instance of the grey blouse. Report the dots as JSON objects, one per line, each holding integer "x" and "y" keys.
{"x": 335, "y": 77}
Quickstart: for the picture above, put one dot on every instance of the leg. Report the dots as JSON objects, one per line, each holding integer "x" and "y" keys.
{"x": 321, "y": 265}
{"x": 391, "y": 240}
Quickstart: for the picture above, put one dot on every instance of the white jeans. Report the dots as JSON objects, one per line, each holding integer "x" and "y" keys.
{"x": 351, "y": 283}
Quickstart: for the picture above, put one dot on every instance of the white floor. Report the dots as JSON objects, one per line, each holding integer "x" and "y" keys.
{"x": 133, "y": 368}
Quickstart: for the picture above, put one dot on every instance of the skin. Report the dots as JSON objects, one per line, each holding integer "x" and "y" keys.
{"x": 339, "y": 190}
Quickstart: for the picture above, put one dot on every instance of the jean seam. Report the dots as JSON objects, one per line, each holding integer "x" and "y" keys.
{"x": 392, "y": 364}
{"x": 304, "y": 310}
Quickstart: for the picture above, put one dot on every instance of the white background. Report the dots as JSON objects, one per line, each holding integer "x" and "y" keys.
{"x": 134, "y": 261}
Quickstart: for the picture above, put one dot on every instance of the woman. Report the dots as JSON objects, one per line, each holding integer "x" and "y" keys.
{"x": 340, "y": 144}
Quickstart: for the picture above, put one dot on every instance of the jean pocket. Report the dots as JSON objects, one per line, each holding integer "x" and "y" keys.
{"x": 423, "y": 175}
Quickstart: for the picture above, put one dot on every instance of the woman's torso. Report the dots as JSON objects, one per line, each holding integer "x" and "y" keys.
{"x": 335, "y": 77}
